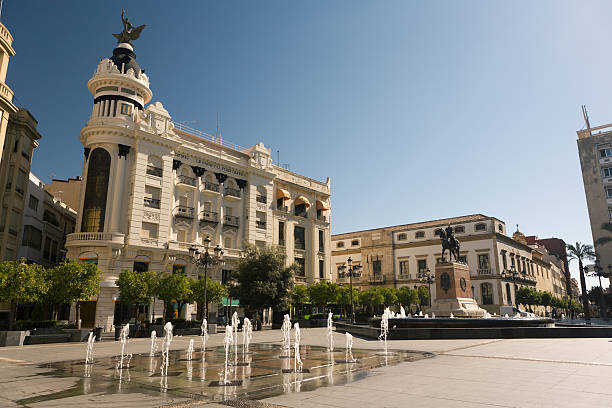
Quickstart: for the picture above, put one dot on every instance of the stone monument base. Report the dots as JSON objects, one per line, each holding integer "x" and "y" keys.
{"x": 459, "y": 307}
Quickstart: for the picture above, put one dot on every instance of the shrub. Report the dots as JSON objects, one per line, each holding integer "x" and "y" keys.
{"x": 33, "y": 324}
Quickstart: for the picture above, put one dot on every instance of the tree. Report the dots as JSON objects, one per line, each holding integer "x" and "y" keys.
{"x": 71, "y": 282}
{"x": 407, "y": 296}
{"x": 546, "y": 299}
{"x": 581, "y": 252}
{"x": 298, "y": 295}
{"x": 323, "y": 293}
{"x": 371, "y": 298}
{"x": 20, "y": 283}
{"x": 137, "y": 287}
{"x": 174, "y": 286}
{"x": 423, "y": 293}
{"x": 215, "y": 292}
{"x": 262, "y": 280}
{"x": 344, "y": 297}
{"x": 390, "y": 295}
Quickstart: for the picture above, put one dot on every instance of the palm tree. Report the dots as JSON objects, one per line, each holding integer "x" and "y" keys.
{"x": 606, "y": 226}
{"x": 582, "y": 252}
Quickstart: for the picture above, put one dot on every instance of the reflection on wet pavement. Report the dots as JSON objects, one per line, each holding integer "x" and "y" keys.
{"x": 261, "y": 373}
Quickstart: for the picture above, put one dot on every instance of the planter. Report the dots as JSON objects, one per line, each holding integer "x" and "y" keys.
{"x": 13, "y": 338}
{"x": 78, "y": 335}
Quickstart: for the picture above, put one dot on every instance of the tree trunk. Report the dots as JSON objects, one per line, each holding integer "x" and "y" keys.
{"x": 12, "y": 316}
{"x": 585, "y": 299}
{"x": 164, "y": 315}
{"x": 78, "y": 314}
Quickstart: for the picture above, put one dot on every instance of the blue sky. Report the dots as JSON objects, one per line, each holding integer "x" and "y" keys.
{"x": 416, "y": 110}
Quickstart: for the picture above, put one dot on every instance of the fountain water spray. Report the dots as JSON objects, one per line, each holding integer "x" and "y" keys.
{"x": 235, "y": 323}
{"x": 204, "y": 335}
{"x": 330, "y": 332}
{"x": 487, "y": 315}
{"x": 420, "y": 313}
{"x": 123, "y": 336}
{"x": 297, "y": 362}
{"x": 384, "y": 328}
{"x": 247, "y": 334}
{"x": 286, "y": 330}
{"x": 433, "y": 315}
{"x": 349, "y": 348}
{"x": 166, "y": 348}
{"x": 426, "y": 316}
{"x": 402, "y": 311}
{"x": 452, "y": 316}
{"x": 227, "y": 343}
{"x": 153, "y": 343}
{"x": 89, "y": 352}
{"x": 190, "y": 350}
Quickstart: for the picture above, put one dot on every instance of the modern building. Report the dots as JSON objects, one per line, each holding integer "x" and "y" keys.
{"x": 46, "y": 222}
{"x": 67, "y": 191}
{"x": 21, "y": 140}
{"x": 595, "y": 152}
{"x": 153, "y": 188}
{"x": 6, "y": 94}
{"x": 395, "y": 256}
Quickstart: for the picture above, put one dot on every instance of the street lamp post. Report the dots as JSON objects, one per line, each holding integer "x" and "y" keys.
{"x": 206, "y": 259}
{"x": 513, "y": 274}
{"x": 429, "y": 278}
{"x": 353, "y": 271}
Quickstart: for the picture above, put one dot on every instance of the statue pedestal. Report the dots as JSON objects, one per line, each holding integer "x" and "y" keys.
{"x": 454, "y": 292}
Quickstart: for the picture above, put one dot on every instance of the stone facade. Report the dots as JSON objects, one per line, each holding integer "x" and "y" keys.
{"x": 153, "y": 188}
{"x": 394, "y": 256}
{"x": 6, "y": 94}
{"x": 68, "y": 191}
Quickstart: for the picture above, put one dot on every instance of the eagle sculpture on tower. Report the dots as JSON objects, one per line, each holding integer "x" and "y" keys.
{"x": 129, "y": 33}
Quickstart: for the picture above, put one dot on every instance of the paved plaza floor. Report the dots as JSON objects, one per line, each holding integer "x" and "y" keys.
{"x": 463, "y": 373}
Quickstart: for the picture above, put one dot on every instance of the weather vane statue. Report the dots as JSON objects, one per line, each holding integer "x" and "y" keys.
{"x": 129, "y": 33}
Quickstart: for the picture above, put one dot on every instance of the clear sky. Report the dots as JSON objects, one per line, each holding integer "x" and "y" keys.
{"x": 416, "y": 110}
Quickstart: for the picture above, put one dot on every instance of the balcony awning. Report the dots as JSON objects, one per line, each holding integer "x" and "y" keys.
{"x": 302, "y": 200}
{"x": 284, "y": 194}
{"x": 322, "y": 206}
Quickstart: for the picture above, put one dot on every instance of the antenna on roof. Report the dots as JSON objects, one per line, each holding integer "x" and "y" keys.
{"x": 278, "y": 158}
{"x": 1, "y": 8}
{"x": 585, "y": 114}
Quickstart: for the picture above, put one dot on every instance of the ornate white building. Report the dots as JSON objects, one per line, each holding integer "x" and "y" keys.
{"x": 153, "y": 188}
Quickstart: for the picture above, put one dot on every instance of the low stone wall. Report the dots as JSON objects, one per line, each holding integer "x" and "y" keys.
{"x": 478, "y": 332}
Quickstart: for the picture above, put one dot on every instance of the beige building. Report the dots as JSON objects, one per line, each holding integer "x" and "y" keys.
{"x": 6, "y": 94}
{"x": 595, "y": 152}
{"x": 394, "y": 257}
{"x": 21, "y": 140}
{"x": 153, "y": 188}
{"x": 68, "y": 191}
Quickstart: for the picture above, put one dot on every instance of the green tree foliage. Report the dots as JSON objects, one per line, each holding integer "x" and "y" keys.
{"x": 407, "y": 296}
{"x": 298, "y": 295}
{"x": 546, "y": 299}
{"x": 262, "y": 280}
{"x": 71, "y": 282}
{"x": 323, "y": 293}
{"x": 137, "y": 287}
{"x": 21, "y": 283}
{"x": 582, "y": 252}
{"x": 215, "y": 291}
{"x": 371, "y": 298}
{"x": 390, "y": 295}
{"x": 174, "y": 287}
{"x": 423, "y": 293}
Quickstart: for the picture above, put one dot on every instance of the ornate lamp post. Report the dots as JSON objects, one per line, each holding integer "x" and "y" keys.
{"x": 428, "y": 278}
{"x": 353, "y": 271}
{"x": 513, "y": 275}
{"x": 599, "y": 272}
{"x": 205, "y": 259}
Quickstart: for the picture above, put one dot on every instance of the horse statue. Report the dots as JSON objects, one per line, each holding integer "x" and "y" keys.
{"x": 448, "y": 242}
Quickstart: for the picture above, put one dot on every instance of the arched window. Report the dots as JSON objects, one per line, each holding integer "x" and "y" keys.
{"x": 486, "y": 291}
{"x": 96, "y": 191}
{"x": 401, "y": 237}
{"x": 508, "y": 293}
{"x": 419, "y": 234}
{"x": 480, "y": 227}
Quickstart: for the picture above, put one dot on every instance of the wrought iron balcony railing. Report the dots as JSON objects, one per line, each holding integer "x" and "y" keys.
{"x": 183, "y": 211}
{"x": 211, "y": 186}
{"x": 190, "y": 181}
{"x": 209, "y": 217}
{"x": 377, "y": 279}
{"x": 231, "y": 220}
{"x": 261, "y": 198}
{"x": 152, "y": 202}
{"x": 154, "y": 171}
{"x": 260, "y": 224}
{"x": 234, "y": 192}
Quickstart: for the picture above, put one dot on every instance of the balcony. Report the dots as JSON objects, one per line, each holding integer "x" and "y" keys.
{"x": 301, "y": 213}
{"x": 231, "y": 221}
{"x": 208, "y": 186}
{"x": 377, "y": 279}
{"x": 282, "y": 208}
{"x": 232, "y": 192}
{"x": 154, "y": 171}
{"x": 260, "y": 224}
{"x": 261, "y": 198}
{"x": 208, "y": 217}
{"x": 19, "y": 190}
{"x": 93, "y": 238}
{"x": 484, "y": 271}
{"x": 152, "y": 202}
{"x": 183, "y": 211}
{"x": 403, "y": 277}
{"x": 186, "y": 180}
{"x": 322, "y": 217}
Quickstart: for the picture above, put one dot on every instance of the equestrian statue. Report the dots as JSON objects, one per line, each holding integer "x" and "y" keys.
{"x": 448, "y": 242}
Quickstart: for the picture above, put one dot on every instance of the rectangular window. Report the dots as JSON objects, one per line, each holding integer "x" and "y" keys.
{"x": 32, "y": 237}
{"x": 321, "y": 269}
{"x": 281, "y": 233}
{"x": 299, "y": 234}
{"x": 605, "y": 153}
{"x": 483, "y": 264}
{"x": 228, "y": 242}
{"x": 140, "y": 266}
{"x": 422, "y": 265}
{"x": 606, "y": 172}
{"x": 33, "y": 204}
{"x": 47, "y": 250}
{"x": 377, "y": 267}
{"x": 181, "y": 236}
{"x": 260, "y": 219}
{"x": 609, "y": 192}
{"x": 226, "y": 276}
{"x": 15, "y": 223}
{"x": 149, "y": 230}
{"x": 302, "y": 264}
{"x": 403, "y": 266}
{"x": 126, "y": 109}
{"x": 321, "y": 241}
{"x": 504, "y": 261}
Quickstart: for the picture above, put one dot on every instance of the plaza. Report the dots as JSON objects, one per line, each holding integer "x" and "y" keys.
{"x": 455, "y": 373}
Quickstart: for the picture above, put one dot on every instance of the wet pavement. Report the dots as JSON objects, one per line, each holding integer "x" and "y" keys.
{"x": 266, "y": 371}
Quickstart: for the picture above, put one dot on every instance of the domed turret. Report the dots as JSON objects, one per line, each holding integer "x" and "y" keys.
{"x": 518, "y": 236}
